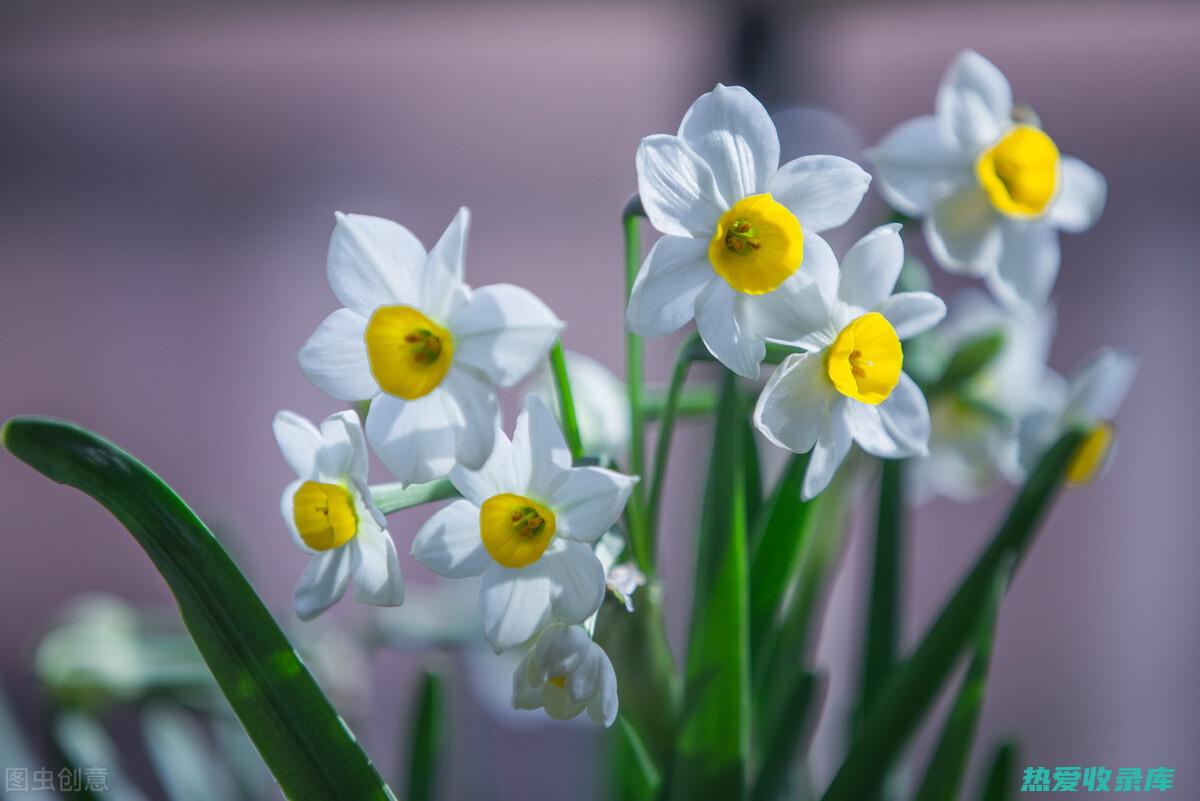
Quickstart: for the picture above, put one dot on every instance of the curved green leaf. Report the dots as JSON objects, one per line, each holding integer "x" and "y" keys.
{"x": 300, "y": 736}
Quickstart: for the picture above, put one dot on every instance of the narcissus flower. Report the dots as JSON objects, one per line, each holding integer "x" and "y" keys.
{"x": 566, "y": 673}
{"x": 992, "y": 186}
{"x": 425, "y": 349}
{"x": 1094, "y": 394}
{"x": 527, "y": 522}
{"x": 329, "y": 511}
{"x": 850, "y": 385}
{"x": 974, "y": 435}
{"x": 737, "y": 226}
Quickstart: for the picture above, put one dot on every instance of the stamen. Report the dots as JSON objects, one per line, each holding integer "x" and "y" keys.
{"x": 741, "y": 237}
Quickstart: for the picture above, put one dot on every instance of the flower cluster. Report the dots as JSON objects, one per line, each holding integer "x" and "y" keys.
{"x": 741, "y": 253}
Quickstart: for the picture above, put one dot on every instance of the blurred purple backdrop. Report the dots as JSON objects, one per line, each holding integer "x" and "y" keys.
{"x": 167, "y": 189}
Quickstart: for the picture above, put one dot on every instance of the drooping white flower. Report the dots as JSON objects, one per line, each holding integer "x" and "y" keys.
{"x": 527, "y": 522}
{"x": 601, "y": 404}
{"x": 993, "y": 189}
{"x": 737, "y": 226}
{"x": 1094, "y": 394}
{"x": 425, "y": 349}
{"x": 566, "y": 673}
{"x": 974, "y": 435}
{"x": 849, "y": 386}
{"x": 331, "y": 516}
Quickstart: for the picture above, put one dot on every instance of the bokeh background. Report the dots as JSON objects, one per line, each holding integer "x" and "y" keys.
{"x": 168, "y": 178}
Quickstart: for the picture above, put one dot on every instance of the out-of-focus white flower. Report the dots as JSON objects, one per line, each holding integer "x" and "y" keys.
{"x": 527, "y": 522}
{"x": 974, "y": 434}
{"x": 601, "y": 403}
{"x": 1094, "y": 394}
{"x": 425, "y": 349}
{"x": 737, "y": 226}
{"x": 623, "y": 579}
{"x": 849, "y": 386}
{"x": 566, "y": 673}
{"x": 331, "y": 516}
{"x": 993, "y": 191}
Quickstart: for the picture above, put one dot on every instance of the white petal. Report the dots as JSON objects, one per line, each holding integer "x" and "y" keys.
{"x": 377, "y": 578}
{"x": 729, "y": 128}
{"x": 1080, "y": 198}
{"x": 525, "y": 694}
{"x": 449, "y": 543}
{"x": 323, "y": 582}
{"x": 576, "y": 580}
{"x": 1028, "y": 265}
{"x": 833, "y": 444}
{"x": 335, "y": 357}
{"x": 588, "y": 501}
{"x": 677, "y": 188}
{"x": 343, "y": 451}
{"x": 604, "y": 706}
{"x": 503, "y": 332}
{"x": 412, "y": 438}
{"x": 918, "y": 163}
{"x": 514, "y": 604}
{"x": 963, "y": 232}
{"x": 905, "y": 416}
{"x": 793, "y": 405}
{"x": 866, "y": 428}
{"x": 871, "y": 267}
{"x": 1099, "y": 387}
{"x": 560, "y": 649}
{"x": 472, "y": 410}
{"x": 822, "y": 191}
{"x": 442, "y": 291}
{"x": 798, "y": 312}
{"x": 911, "y": 313}
{"x": 717, "y": 315}
{"x": 299, "y": 441}
{"x": 974, "y": 100}
{"x": 373, "y": 262}
{"x": 540, "y": 455}
{"x": 287, "y": 509}
{"x": 497, "y": 475}
{"x": 664, "y": 294}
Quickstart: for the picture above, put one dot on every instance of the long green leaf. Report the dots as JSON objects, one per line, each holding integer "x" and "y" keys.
{"x": 882, "y": 637}
{"x": 298, "y": 733}
{"x": 796, "y": 725}
{"x": 1002, "y": 775}
{"x": 915, "y": 684}
{"x": 635, "y": 778}
{"x": 425, "y": 738}
{"x": 714, "y": 739}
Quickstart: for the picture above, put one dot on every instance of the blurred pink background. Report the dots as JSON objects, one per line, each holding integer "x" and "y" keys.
{"x": 167, "y": 189}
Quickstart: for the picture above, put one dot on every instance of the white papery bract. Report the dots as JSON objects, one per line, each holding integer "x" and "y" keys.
{"x": 974, "y": 434}
{"x": 601, "y": 404}
{"x": 737, "y": 226}
{"x": 566, "y": 673}
{"x": 527, "y": 523}
{"x": 993, "y": 190}
{"x": 425, "y": 349}
{"x": 329, "y": 512}
{"x": 1093, "y": 395}
{"x": 849, "y": 386}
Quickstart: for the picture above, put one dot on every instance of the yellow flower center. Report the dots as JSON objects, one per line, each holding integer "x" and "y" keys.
{"x": 409, "y": 354}
{"x": 864, "y": 361}
{"x": 1089, "y": 459}
{"x": 515, "y": 530}
{"x": 558, "y": 681}
{"x": 757, "y": 246}
{"x": 1020, "y": 172}
{"x": 324, "y": 515}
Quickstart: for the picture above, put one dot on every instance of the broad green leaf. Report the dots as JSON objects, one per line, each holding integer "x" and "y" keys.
{"x": 796, "y": 725}
{"x": 1002, "y": 775}
{"x": 915, "y": 684}
{"x": 948, "y": 765}
{"x": 425, "y": 738}
{"x": 714, "y": 737}
{"x": 297, "y": 732}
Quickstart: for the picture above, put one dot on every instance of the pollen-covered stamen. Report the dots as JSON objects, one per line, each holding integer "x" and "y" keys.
{"x": 558, "y": 681}
{"x": 425, "y": 346}
{"x": 527, "y": 521}
{"x": 515, "y": 530}
{"x": 742, "y": 237}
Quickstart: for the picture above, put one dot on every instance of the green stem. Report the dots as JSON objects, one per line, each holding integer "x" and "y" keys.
{"x": 390, "y": 498}
{"x": 662, "y": 448}
{"x": 880, "y": 648}
{"x": 692, "y": 402}
{"x": 566, "y": 400}
{"x": 639, "y": 530}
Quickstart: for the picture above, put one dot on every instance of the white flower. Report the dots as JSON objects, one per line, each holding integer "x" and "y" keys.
{"x": 1094, "y": 394}
{"x": 849, "y": 386}
{"x": 527, "y": 522}
{"x": 974, "y": 433}
{"x": 737, "y": 225}
{"x": 994, "y": 190}
{"x": 601, "y": 404}
{"x": 420, "y": 345}
{"x": 566, "y": 673}
{"x": 329, "y": 511}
